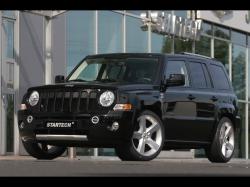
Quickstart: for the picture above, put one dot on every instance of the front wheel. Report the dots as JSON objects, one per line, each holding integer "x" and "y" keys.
{"x": 43, "y": 150}
{"x": 147, "y": 140}
{"x": 222, "y": 147}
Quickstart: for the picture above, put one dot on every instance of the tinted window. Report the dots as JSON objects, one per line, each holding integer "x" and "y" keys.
{"x": 198, "y": 77}
{"x": 205, "y": 70}
{"x": 219, "y": 77}
{"x": 177, "y": 67}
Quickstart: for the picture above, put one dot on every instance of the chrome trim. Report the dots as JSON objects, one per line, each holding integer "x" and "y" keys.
{"x": 61, "y": 137}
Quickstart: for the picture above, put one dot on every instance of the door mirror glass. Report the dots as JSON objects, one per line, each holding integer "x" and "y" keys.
{"x": 175, "y": 80}
{"x": 59, "y": 79}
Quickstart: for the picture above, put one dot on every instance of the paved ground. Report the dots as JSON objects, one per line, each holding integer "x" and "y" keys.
{"x": 111, "y": 166}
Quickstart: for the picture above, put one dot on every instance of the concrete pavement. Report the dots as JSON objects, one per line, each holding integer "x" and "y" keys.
{"x": 112, "y": 166}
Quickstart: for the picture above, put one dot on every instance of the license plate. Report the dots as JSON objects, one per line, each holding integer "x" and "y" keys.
{"x": 61, "y": 124}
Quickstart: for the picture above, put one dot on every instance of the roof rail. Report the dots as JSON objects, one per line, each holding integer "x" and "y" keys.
{"x": 186, "y": 53}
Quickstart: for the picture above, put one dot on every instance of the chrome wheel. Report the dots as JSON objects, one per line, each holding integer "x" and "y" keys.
{"x": 227, "y": 139}
{"x": 147, "y": 137}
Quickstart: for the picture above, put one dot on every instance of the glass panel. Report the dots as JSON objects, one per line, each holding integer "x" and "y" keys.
{"x": 238, "y": 38}
{"x": 9, "y": 13}
{"x": 182, "y": 46}
{"x": 8, "y": 28}
{"x": 238, "y": 70}
{"x": 106, "y": 152}
{"x": 109, "y": 35}
{"x": 240, "y": 136}
{"x": 137, "y": 40}
{"x": 207, "y": 28}
{"x": 9, "y": 104}
{"x": 10, "y": 78}
{"x": 84, "y": 151}
{"x": 203, "y": 47}
{"x": 221, "y": 32}
{"x": 249, "y": 75}
{"x": 181, "y": 13}
{"x": 248, "y": 41}
{"x": 80, "y": 36}
{"x": 160, "y": 44}
{"x": 221, "y": 52}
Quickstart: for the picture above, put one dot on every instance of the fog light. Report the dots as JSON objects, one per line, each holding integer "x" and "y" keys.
{"x": 114, "y": 126}
{"x": 29, "y": 119}
{"x": 23, "y": 107}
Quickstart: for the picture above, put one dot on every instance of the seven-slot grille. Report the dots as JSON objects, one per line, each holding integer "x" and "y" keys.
{"x": 77, "y": 101}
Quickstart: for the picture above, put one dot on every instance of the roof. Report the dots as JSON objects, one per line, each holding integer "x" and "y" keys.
{"x": 183, "y": 54}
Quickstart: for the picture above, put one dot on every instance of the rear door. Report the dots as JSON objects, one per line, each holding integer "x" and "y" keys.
{"x": 205, "y": 101}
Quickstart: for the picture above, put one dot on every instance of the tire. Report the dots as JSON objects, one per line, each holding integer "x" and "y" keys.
{"x": 147, "y": 140}
{"x": 222, "y": 148}
{"x": 43, "y": 151}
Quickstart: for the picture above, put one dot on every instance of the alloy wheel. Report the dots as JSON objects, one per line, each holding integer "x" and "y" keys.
{"x": 227, "y": 139}
{"x": 147, "y": 137}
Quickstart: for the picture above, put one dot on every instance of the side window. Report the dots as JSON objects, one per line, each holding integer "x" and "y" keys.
{"x": 205, "y": 69}
{"x": 197, "y": 74}
{"x": 219, "y": 77}
{"x": 177, "y": 67}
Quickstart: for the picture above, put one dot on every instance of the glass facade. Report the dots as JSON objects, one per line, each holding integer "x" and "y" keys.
{"x": 118, "y": 31}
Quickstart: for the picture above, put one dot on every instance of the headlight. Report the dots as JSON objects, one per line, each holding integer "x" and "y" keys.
{"x": 107, "y": 98}
{"x": 34, "y": 98}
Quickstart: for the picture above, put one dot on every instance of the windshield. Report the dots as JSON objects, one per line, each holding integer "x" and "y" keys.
{"x": 130, "y": 70}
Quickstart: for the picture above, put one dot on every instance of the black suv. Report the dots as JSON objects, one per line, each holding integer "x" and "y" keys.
{"x": 138, "y": 104}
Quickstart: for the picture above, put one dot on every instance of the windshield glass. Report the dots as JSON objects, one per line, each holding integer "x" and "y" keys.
{"x": 130, "y": 70}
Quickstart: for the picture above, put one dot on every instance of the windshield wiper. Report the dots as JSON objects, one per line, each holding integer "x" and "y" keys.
{"x": 77, "y": 80}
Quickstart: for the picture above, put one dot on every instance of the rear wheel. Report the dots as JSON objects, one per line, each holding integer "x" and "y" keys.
{"x": 43, "y": 150}
{"x": 147, "y": 140}
{"x": 222, "y": 147}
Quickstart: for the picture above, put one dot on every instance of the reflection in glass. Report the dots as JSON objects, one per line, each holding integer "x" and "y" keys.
{"x": 9, "y": 122}
{"x": 181, "y": 13}
{"x": 238, "y": 70}
{"x": 240, "y": 135}
{"x": 136, "y": 39}
{"x": 182, "y": 46}
{"x": 207, "y": 28}
{"x": 8, "y": 29}
{"x": 221, "y": 52}
{"x": 238, "y": 38}
{"x": 221, "y": 32}
{"x": 109, "y": 35}
{"x": 80, "y": 36}
{"x": 203, "y": 47}
{"x": 9, "y": 13}
{"x": 160, "y": 44}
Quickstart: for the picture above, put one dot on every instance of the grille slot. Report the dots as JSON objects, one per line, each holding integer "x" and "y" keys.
{"x": 74, "y": 101}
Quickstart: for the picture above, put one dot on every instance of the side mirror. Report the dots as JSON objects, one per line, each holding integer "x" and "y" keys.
{"x": 175, "y": 80}
{"x": 59, "y": 79}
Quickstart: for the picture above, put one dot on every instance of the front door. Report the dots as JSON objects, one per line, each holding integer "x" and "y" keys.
{"x": 8, "y": 85}
{"x": 179, "y": 108}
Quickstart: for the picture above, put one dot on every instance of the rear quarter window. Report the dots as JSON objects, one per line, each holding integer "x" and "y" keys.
{"x": 219, "y": 77}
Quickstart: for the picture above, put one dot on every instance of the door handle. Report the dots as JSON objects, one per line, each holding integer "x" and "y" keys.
{"x": 214, "y": 98}
{"x": 191, "y": 97}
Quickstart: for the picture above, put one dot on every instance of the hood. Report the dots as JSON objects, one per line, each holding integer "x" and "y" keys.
{"x": 98, "y": 85}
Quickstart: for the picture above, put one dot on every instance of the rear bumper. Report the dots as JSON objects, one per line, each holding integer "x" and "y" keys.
{"x": 84, "y": 133}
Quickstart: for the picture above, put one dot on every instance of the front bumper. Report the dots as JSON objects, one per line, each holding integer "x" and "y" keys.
{"x": 85, "y": 133}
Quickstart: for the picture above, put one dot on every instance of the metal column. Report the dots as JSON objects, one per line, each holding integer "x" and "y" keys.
{"x": 48, "y": 50}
